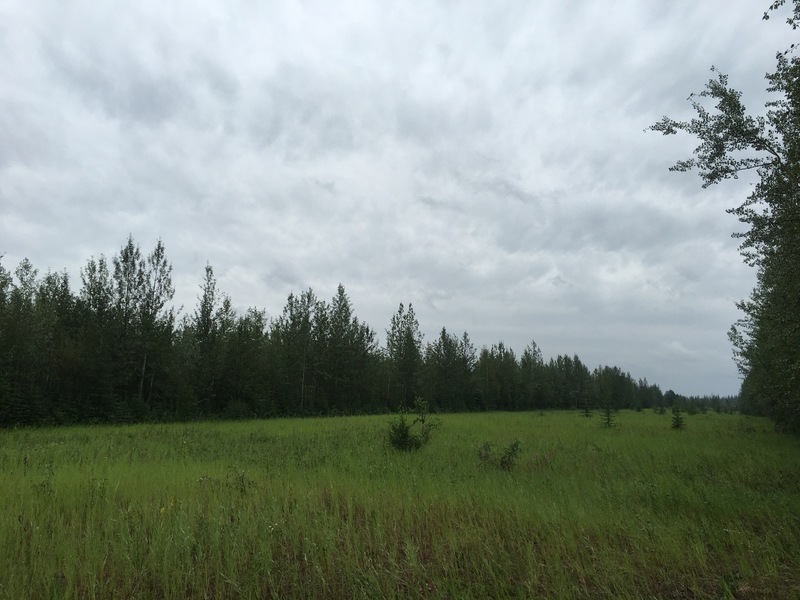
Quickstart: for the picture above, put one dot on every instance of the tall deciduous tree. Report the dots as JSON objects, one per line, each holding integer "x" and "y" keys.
{"x": 127, "y": 285}
{"x": 97, "y": 341}
{"x": 206, "y": 343}
{"x": 156, "y": 323}
{"x": 142, "y": 290}
{"x": 97, "y": 291}
{"x": 733, "y": 142}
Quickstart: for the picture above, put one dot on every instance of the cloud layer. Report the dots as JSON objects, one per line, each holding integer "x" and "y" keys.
{"x": 484, "y": 161}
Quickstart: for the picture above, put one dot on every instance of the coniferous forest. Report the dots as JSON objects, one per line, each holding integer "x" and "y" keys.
{"x": 116, "y": 352}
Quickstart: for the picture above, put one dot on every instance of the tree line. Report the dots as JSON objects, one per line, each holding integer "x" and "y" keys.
{"x": 115, "y": 351}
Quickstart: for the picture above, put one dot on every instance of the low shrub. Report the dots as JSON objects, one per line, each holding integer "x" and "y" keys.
{"x": 510, "y": 455}
{"x": 507, "y": 458}
{"x": 406, "y": 436}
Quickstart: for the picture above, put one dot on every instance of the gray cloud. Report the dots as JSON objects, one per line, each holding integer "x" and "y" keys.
{"x": 486, "y": 162}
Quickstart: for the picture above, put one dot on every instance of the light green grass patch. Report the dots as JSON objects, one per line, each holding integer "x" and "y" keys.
{"x": 324, "y": 508}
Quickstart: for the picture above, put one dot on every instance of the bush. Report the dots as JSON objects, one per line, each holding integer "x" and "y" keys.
{"x": 510, "y": 455}
{"x": 507, "y": 459}
{"x": 486, "y": 453}
{"x": 401, "y": 435}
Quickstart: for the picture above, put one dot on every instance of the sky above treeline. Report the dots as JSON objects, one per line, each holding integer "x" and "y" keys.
{"x": 485, "y": 161}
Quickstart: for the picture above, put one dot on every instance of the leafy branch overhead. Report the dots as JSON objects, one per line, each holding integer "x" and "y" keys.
{"x": 734, "y": 142}
{"x": 793, "y": 20}
{"x": 723, "y": 134}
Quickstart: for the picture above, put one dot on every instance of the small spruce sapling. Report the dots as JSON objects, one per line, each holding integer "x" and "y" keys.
{"x": 677, "y": 417}
{"x": 587, "y": 407}
{"x": 607, "y": 417}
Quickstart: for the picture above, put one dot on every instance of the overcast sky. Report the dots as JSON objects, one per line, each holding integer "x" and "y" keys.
{"x": 485, "y": 161}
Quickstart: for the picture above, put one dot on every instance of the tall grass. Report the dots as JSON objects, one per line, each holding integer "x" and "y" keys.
{"x": 324, "y": 508}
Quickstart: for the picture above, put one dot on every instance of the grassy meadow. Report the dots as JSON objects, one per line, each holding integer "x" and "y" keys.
{"x": 324, "y": 508}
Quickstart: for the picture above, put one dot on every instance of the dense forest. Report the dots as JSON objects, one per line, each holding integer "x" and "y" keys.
{"x": 115, "y": 352}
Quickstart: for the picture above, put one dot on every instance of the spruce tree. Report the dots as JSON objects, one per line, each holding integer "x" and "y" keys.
{"x": 607, "y": 416}
{"x": 677, "y": 417}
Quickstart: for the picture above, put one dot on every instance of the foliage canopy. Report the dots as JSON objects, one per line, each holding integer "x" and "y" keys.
{"x": 733, "y": 142}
